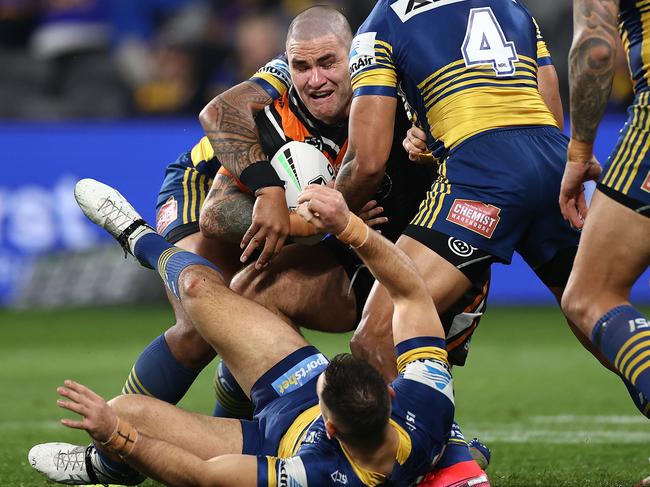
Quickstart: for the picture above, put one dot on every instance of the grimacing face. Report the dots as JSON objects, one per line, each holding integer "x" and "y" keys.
{"x": 319, "y": 71}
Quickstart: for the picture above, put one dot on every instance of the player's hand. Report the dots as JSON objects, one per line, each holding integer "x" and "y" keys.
{"x": 99, "y": 420}
{"x": 269, "y": 227}
{"x": 415, "y": 142}
{"x": 370, "y": 214}
{"x": 581, "y": 166}
{"x": 324, "y": 207}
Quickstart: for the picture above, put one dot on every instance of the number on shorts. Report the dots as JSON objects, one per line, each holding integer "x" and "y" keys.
{"x": 485, "y": 43}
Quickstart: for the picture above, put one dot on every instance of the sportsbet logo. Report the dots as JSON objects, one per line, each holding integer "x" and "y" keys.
{"x": 300, "y": 374}
{"x": 475, "y": 216}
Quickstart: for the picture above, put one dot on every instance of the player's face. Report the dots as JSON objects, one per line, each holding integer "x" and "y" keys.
{"x": 319, "y": 71}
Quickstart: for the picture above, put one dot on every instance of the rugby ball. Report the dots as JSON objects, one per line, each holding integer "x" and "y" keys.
{"x": 299, "y": 164}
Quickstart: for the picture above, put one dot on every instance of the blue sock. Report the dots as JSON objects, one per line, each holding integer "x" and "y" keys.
{"x": 231, "y": 401}
{"x": 157, "y": 373}
{"x": 456, "y": 450}
{"x": 623, "y": 335}
{"x": 117, "y": 470}
{"x": 154, "y": 251}
{"x": 640, "y": 401}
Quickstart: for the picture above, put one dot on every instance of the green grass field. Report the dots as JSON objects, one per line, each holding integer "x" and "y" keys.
{"x": 551, "y": 414}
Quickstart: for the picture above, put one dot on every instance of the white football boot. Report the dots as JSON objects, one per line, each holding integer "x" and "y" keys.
{"x": 76, "y": 465}
{"x": 106, "y": 207}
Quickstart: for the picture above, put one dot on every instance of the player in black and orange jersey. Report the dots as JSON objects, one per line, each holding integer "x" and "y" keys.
{"x": 614, "y": 248}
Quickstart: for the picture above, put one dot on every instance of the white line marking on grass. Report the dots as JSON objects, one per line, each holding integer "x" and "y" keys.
{"x": 517, "y": 435}
{"x": 573, "y": 419}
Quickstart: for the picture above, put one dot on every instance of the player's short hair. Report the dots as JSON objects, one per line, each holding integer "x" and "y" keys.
{"x": 356, "y": 395}
{"x": 319, "y": 21}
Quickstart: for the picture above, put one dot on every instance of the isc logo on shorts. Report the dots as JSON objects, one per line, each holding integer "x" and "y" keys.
{"x": 300, "y": 374}
{"x": 167, "y": 214}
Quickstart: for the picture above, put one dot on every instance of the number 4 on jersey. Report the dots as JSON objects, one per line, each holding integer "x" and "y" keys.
{"x": 485, "y": 43}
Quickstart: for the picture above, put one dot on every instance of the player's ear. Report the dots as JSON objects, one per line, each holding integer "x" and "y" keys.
{"x": 330, "y": 429}
{"x": 391, "y": 392}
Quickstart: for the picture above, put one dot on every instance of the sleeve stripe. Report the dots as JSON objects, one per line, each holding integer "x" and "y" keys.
{"x": 420, "y": 353}
{"x": 272, "y": 85}
{"x": 376, "y": 90}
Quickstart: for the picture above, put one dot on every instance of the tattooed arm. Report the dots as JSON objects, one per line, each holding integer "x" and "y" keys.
{"x": 226, "y": 212}
{"x": 591, "y": 64}
{"x": 229, "y": 124}
{"x": 591, "y": 69}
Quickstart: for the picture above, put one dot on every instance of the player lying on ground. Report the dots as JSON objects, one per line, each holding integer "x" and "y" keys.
{"x": 314, "y": 423}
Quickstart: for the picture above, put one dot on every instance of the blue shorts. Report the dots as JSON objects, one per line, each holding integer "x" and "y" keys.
{"x": 279, "y": 396}
{"x": 498, "y": 192}
{"x": 626, "y": 175}
{"x": 181, "y": 196}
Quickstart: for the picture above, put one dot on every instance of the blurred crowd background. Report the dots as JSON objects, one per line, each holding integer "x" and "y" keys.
{"x": 110, "y": 59}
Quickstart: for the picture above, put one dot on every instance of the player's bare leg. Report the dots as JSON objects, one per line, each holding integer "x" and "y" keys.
{"x": 598, "y": 292}
{"x": 304, "y": 285}
{"x": 202, "y": 435}
{"x": 446, "y": 285}
{"x": 208, "y": 302}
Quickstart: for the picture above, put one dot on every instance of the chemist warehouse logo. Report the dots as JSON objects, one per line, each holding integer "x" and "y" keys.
{"x": 300, "y": 374}
{"x": 475, "y": 216}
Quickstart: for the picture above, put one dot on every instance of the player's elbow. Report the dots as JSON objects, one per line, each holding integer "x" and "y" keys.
{"x": 600, "y": 54}
{"x": 208, "y": 115}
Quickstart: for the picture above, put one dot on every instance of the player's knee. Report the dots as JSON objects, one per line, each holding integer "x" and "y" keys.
{"x": 198, "y": 281}
{"x": 130, "y": 407}
{"x": 575, "y": 303}
{"x": 188, "y": 346}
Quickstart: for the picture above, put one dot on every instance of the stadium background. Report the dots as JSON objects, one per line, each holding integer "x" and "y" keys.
{"x": 111, "y": 89}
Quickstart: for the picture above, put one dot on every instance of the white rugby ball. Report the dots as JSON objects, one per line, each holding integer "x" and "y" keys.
{"x": 299, "y": 164}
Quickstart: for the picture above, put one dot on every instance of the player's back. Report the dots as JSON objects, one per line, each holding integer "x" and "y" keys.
{"x": 634, "y": 15}
{"x": 465, "y": 66}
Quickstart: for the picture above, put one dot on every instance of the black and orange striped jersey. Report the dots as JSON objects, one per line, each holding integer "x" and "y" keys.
{"x": 634, "y": 28}
{"x": 464, "y": 66}
{"x": 287, "y": 119}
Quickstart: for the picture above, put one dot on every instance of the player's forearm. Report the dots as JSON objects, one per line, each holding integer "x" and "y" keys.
{"x": 226, "y": 215}
{"x": 228, "y": 121}
{"x": 357, "y": 183}
{"x": 591, "y": 64}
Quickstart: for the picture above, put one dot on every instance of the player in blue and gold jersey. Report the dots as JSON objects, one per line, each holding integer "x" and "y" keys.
{"x": 614, "y": 249}
{"x": 478, "y": 77}
{"x": 315, "y": 423}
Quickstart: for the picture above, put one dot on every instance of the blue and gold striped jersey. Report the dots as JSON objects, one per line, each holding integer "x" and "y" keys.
{"x": 634, "y": 28}
{"x": 422, "y": 415}
{"x": 464, "y": 66}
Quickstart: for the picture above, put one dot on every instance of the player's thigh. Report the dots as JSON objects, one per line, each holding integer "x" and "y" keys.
{"x": 614, "y": 251}
{"x": 444, "y": 281}
{"x": 250, "y": 338}
{"x": 305, "y": 284}
{"x": 202, "y": 435}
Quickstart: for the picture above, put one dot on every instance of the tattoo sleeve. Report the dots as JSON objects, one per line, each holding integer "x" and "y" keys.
{"x": 226, "y": 212}
{"x": 591, "y": 64}
{"x": 229, "y": 124}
